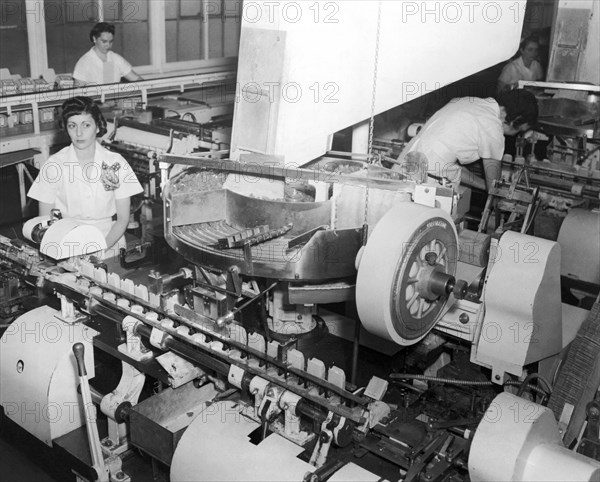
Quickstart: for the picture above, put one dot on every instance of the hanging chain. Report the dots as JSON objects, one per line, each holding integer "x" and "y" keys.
{"x": 373, "y": 94}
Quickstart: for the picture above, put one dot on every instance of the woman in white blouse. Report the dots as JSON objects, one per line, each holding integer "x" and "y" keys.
{"x": 524, "y": 67}
{"x": 100, "y": 65}
{"x": 86, "y": 181}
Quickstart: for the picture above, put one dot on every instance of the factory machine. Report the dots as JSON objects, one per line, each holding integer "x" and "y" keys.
{"x": 197, "y": 121}
{"x": 568, "y": 178}
{"x": 236, "y": 392}
{"x": 324, "y": 318}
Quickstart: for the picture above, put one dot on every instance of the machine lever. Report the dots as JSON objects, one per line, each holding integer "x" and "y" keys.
{"x": 264, "y": 419}
{"x": 228, "y": 318}
{"x": 90, "y": 416}
{"x": 325, "y": 471}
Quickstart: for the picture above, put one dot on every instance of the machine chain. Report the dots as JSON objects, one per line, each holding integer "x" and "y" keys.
{"x": 373, "y": 96}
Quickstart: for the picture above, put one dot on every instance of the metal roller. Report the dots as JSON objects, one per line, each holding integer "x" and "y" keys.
{"x": 406, "y": 271}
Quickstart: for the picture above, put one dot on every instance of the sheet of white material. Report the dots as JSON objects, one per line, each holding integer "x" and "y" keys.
{"x": 579, "y": 239}
{"x": 69, "y": 237}
{"x": 353, "y": 473}
{"x": 216, "y": 447}
{"x": 349, "y": 207}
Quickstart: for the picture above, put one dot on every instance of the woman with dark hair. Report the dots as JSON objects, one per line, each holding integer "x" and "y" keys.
{"x": 84, "y": 180}
{"x": 524, "y": 67}
{"x": 100, "y": 65}
{"x": 468, "y": 129}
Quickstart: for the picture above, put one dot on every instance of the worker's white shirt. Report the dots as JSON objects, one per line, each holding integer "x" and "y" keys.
{"x": 79, "y": 193}
{"x": 464, "y": 130}
{"x": 515, "y": 70}
{"x": 90, "y": 68}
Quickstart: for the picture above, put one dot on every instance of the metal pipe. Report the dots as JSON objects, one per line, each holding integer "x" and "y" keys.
{"x": 355, "y": 350}
{"x": 310, "y": 412}
{"x": 543, "y": 169}
{"x": 214, "y": 360}
{"x": 101, "y": 310}
{"x": 187, "y": 351}
{"x": 304, "y": 174}
{"x": 205, "y": 36}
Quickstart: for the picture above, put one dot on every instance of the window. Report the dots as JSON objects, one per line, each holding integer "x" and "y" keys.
{"x": 155, "y": 36}
{"x": 14, "y": 47}
{"x": 68, "y": 26}
{"x": 198, "y": 30}
{"x": 224, "y": 28}
{"x": 132, "y": 35}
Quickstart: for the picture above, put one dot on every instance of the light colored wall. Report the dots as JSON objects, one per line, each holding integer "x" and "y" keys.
{"x": 590, "y": 64}
{"x": 332, "y": 54}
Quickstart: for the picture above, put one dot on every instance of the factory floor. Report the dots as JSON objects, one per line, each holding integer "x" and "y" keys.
{"x": 19, "y": 465}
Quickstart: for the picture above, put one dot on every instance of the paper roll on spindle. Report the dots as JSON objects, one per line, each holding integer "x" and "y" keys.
{"x": 474, "y": 247}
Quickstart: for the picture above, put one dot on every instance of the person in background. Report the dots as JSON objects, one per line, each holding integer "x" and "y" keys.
{"x": 468, "y": 129}
{"x": 100, "y": 65}
{"x": 524, "y": 67}
{"x": 86, "y": 181}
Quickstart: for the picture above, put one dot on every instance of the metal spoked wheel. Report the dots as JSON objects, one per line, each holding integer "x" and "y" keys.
{"x": 410, "y": 256}
{"x": 414, "y": 304}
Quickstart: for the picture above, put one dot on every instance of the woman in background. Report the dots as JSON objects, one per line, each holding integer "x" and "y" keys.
{"x": 84, "y": 180}
{"x": 100, "y": 65}
{"x": 524, "y": 67}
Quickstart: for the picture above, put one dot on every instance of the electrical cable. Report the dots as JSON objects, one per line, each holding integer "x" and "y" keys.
{"x": 534, "y": 376}
{"x": 428, "y": 378}
{"x": 452, "y": 381}
{"x": 191, "y": 115}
